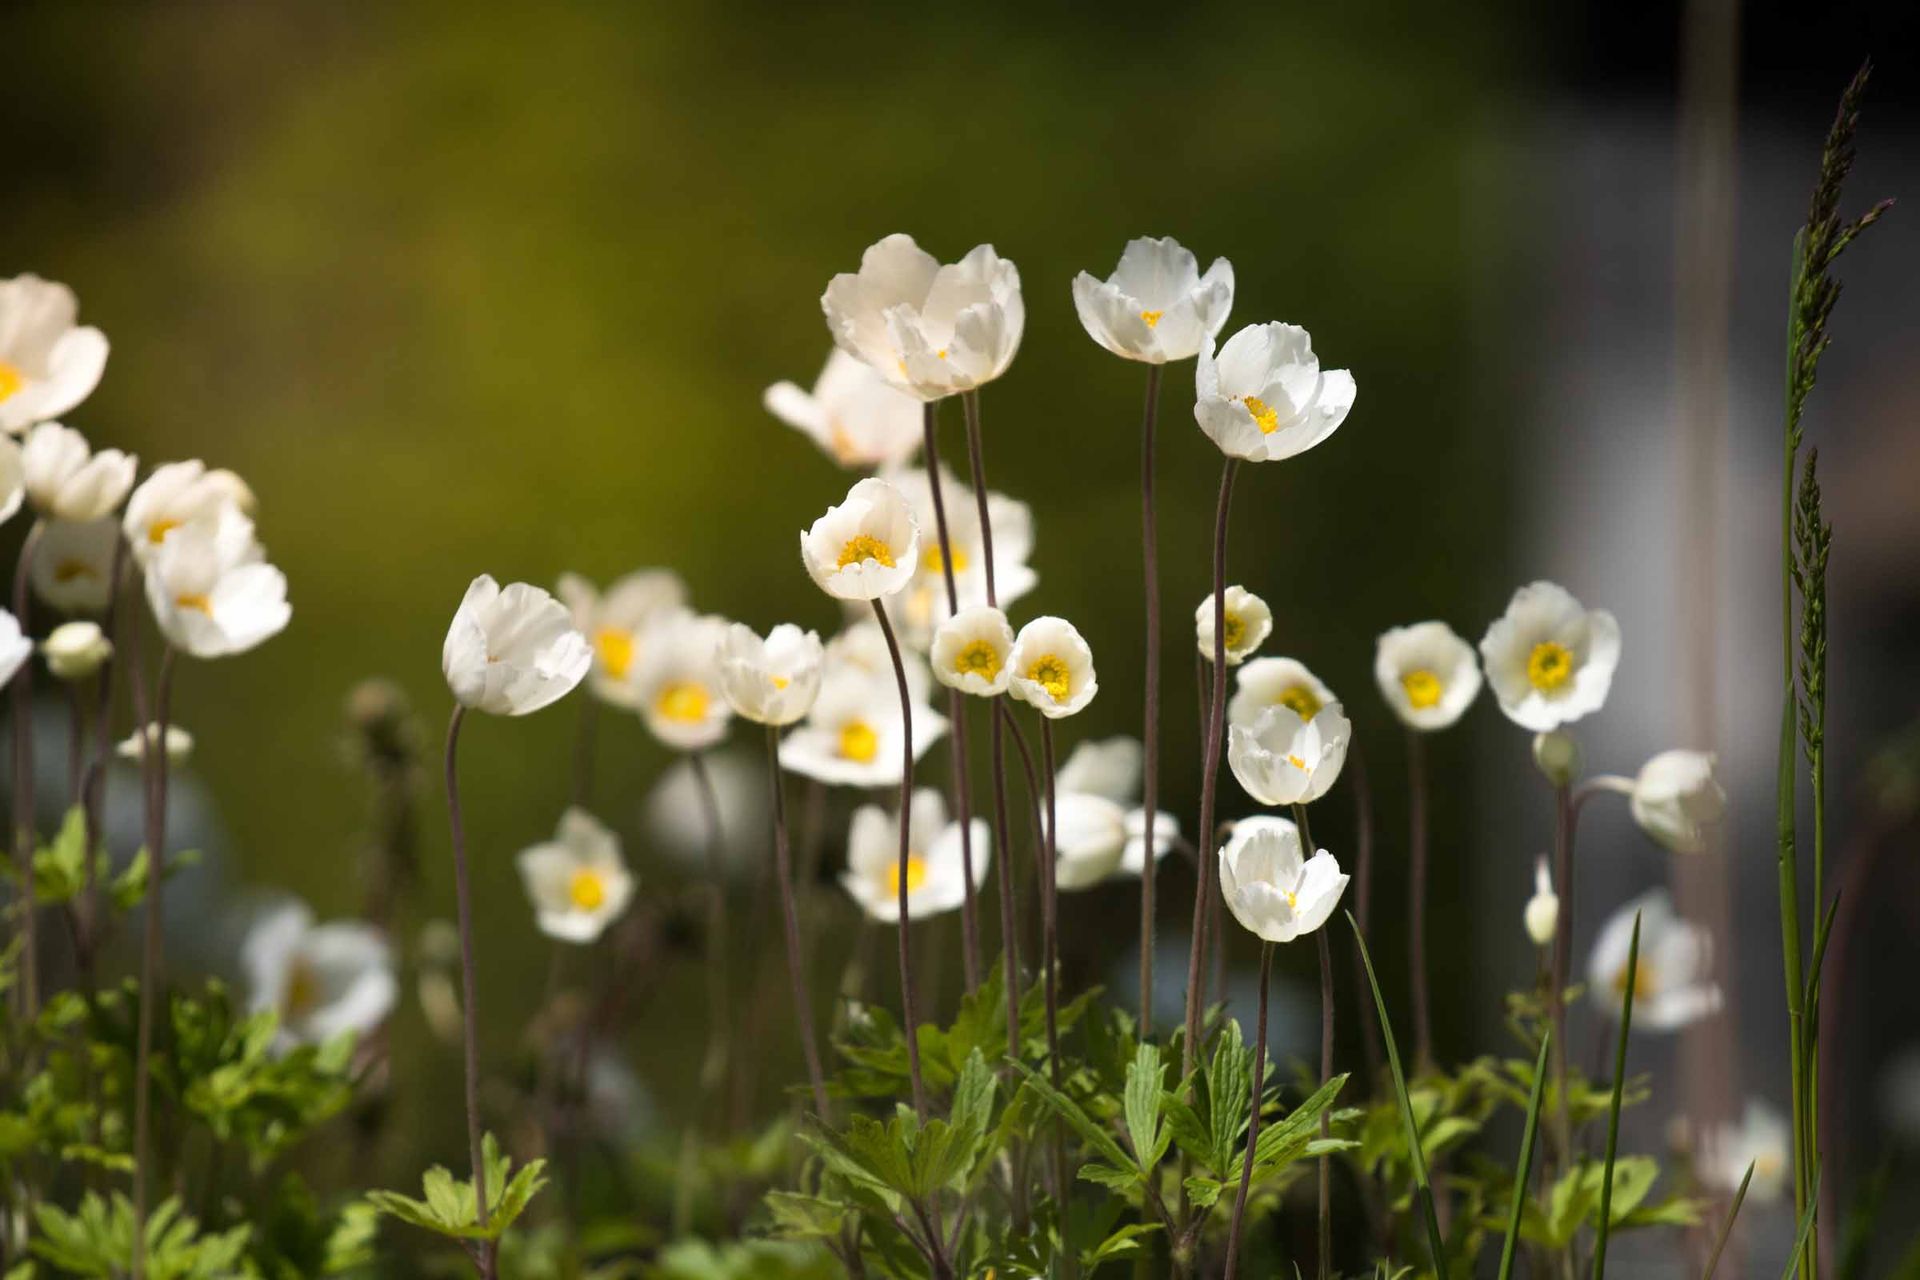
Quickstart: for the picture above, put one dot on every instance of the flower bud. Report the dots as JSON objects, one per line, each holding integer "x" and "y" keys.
{"x": 75, "y": 650}
{"x": 1676, "y": 799}
{"x": 1542, "y": 915}
{"x": 179, "y": 744}
{"x": 1558, "y": 756}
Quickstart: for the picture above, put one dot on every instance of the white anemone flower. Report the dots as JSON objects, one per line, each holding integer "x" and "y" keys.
{"x": 1677, "y": 800}
{"x": 614, "y": 620}
{"x": 1052, "y": 668}
{"x": 1249, "y": 622}
{"x": 971, "y": 652}
{"x": 577, "y": 881}
{"x": 179, "y": 744}
{"x": 677, "y": 685}
{"x": 866, "y": 547}
{"x": 1281, "y": 759}
{"x": 919, "y": 609}
{"x": 513, "y": 651}
{"x": 1541, "y": 915}
{"x": 857, "y": 417}
{"x": 1671, "y": 987}
{"x": 772, "y": 681}
{"x": 213, "y": 599}
{"x": 321, "y": 980}
{"x": 48, "y": 363}
{"x": 1098, "y": 839}
{"x": 1276, "y": 682}
{"x": 1427, "y": 674}
{"x": 861, "y": 650}
{"x": 1763, "y": 1139}
{"x": 1271, "y": 887}
{"x": 72, "y": 568}
{"x": 936, "y": 877}
{"x": 1156, "y": 306}
{"x": 66, "y": 479}
{"x": 1263, "y": 397}
{"x": 930, "y": 330}
{"x": 182, "y": 493}
{"x": 853, "y": 735}
{"x": 75, "y": 650}
{"x": 15, "y": 648}
{"x": 1550, "y": 662}
{"x": 1107, "y": 767}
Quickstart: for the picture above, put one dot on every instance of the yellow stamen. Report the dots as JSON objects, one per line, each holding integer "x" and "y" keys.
{"x": 194, "y": 600}
{"x": 1643, "y": 981}
{"x": 587, "y": 890}
{"x": 1051, "y": 674}
{"x": 1236, "y": 630}
{"x": 842, "y": 444}
{"x": 157, "y": 531}
{"x": 930, "y": 559}
{"x": 858, "y": 742}
{"x": 302, "y": 992}
{"x": 979, "y": 658}
{"x": 1423, "y": 688}
{"x": 11, "y": 380}
{"x": 683, "y": 701}
{"x": 1293, "y": 899}
{"x": 916, "y": 874}
{"x": 1297, "y": 763}
{"x": 614, "y": 647}
{"x": 780, "y": 682}
{"x": 1268, "y": 420}
{"x": 1152, "y": 318}
{"x": 1549, "y": 665}
{"x": 68, "y": 570}
{"x": 1300, "y": 700}
{"x": 942, "y": 353}
{"x": 865, "y": 546}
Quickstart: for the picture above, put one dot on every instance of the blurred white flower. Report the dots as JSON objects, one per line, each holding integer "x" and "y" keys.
{"x": 971, "y": 652}
{"x": 510, "y": 652}
{"x": 72, "y": 568}
{"x": 861, "y": 650}
{"x": 75, "y": 650}
{"x": 919, "y": 608}
{"x": 577, "y": 881}
{"x": 321, "y": 980}
{"x": 1281, "y": 759}
{"x": 15, "y": 648}
{"x": 1156, "y": 306}
{"x": 212, "y": 598}
{"x": 935, "y": 877}
{"x": 1249, "y": 622}
{"x": 48, "y": 363}
{"x": 179, "y": 744}
{"x": 1542, "y": 913}
{"x": 1107, "y": 767}
{"x": 1762, "y": 1139}
{"x": 852, "y": 736}
{"x": 866, "y": 547}
{"x": 772, "y": 681}
{"x": 1676, "y": 799}
{"x": 1550, "y": 661}
{"x": 182, "y": 493}
{"x": 1264, "y": 397}
{"x": 928, "y": 329}
{"x": 1052, "y": 668}
{"x": 1098, "y": 838}
{"x": 1276, "y": 682}
{"x": 674, "y": 815}
{"x": 1274, "y": 890}
{"x": 615, "y": 620}
{"x": 856, "y": 417}
{"x": 677, "y": 684}
{"x": 1427, "y": 674}
{"x": 66, "y": 479}
{"x": 1671, "y": 987}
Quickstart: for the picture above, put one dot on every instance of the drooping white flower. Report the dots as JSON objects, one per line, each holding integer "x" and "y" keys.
{"x": 72, "y": 568}
{"x": 15, "y": 648}
{"x": 321, "y": 980}
{"x": 1274, "y": 890}
{"x": 1676, "y": 799}
{"x": 1249, "y": 622}
{"x": 919, "y": 608}
{"x": 677, "y": 684}
{"x": 1550, "y": 661}
{"x": 615, "y": 620}
{"x": 182, "y": 493}
{"x": 48, "y": 363}
{"x": 513, "y": 651}
{"x": 1542, "y": 913}
{"x": 66, "y": 479}
{"x": 1276, "y": 682}
{"x": 577, "y": 881}
{"x": 1101, "y": 830}
{"x": 852, "y": 736}
{"x": 1052, "y": 668}
{"x": 772, "y": 681}
{"x": 1427, "y": 674}
{"x": 935, "y": 878}
{"x": 972, "y": 651}
{"x": 1671, "y": 987}
{"x": 75, "y": 650}
{"x": 866, "y": 547}
{"x": 211, "y": 602}
{"x": 928, "y": 329}
{"x": 1263, "y": 397}
{"x": 1156, "y": 306}
{"x": 1281, "y": 759}
{"x": 857, "y": 417}
{"x": 179, "y": 744}
{"x": 1762, "y": 1139}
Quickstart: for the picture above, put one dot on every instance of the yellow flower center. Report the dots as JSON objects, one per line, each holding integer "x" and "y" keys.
{"x": 1297, "y": 763}
{"x": 1268, "y": 420}
{"x": 1293, "y": 899}
{"x": 683, "y": 701}
{"x": 1051, "y": 674}
{"x": 157, "y": 531}
{"x": 865, "y": 547}
{"x": 1236, "y": 630}
{"x": 779, "y": 682}
{"x": 979, "y": 658}
{"x": 1300, "y": 700}
{"x": 303, "y": 989}
{"x": 68, "y": 570}
{"x": 931, "y": 559}
{"x": 614, "y": 647}
{"x": 844, "y": 450}
{"x": 916, "y": 874}
{"x": 195, "y": 600}
{"x": 1152, "y": 318}
{"x": 11, "y": 380}
{"x": 1423, "y": 688}
{"x": 1549, "y": 665}
{"x": 858, "y": 742}
{"x": 1644, "y": 983}
{"x": 587, "y": 890}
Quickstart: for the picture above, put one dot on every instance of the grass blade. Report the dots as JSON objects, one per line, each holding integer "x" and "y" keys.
{"x": 1806, "y": 1226}
{"x": 1613, "y": 1107}
{"x": 1726, "y": 1228}
{"x": 1436, "y": 1243}
{"x": 1524, "y": 1169}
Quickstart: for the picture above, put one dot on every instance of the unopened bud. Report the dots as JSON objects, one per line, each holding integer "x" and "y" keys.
{"x": 1558, "y": 756}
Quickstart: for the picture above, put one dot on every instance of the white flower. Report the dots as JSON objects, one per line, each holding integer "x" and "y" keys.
{"x": 75, "y": 650}
{"x": 856, "y": 417}
{"x": 971, "y": 652}
{"x": 1249, "y": 621}
{"x": 1276, "y": 682}
{"x": 930, "y": 330}
{"x": 1156, "y": 306}
{"x": 866, "y": 547}
{"x": 1264, "y": 397}
{"x": 675, "y": 820}
{"x": 1427, "y": 674}
{"x": 72, "y": 568}
{"x": 1676, "y": 799}
{"x": 211, "y": 599}
{"x": 615, "y": 620}
{"x": 1052, "y": 668}
{"x": 514, "y": 651}
{"x": 321, "y": 980}
{"x": 852, "y": 736}
{"x": 48, "y": 364}
{"x": 919, "y": 609}
{"x": 183, "y": 493}
{"x": 1762, "y": 1139}
{"x": 1273, "y": 890}
{"x": 15, "y": 648}
{"x": 1108, "y": 767}
{"x": 861, "y": 650}
{"x": 1550, "y": 661}
{"x": 1671, "y": 987}
{"x": 772, "y": 681}
{"x": 1281, "y": 759}
{"x": 67, "y": 479}
{"x": 577, "y": 881}
{"x": 179, "y": 744}
{"x": 677, "y": 685}
{"x": 1097, "y": 839}
{"x": 935, "y": 879}
{"x": 1542, "y": 914}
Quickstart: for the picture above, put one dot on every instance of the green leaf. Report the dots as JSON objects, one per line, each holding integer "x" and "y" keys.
{"x": 1142, "y": 1106}
{"x": 1523, "y": 1168}
{"x": 1080, "y": 1122}
{"x": 451, "y": 1208}
{"x": 1124, "y": 1243}
{"x": 1613, "y": 1112}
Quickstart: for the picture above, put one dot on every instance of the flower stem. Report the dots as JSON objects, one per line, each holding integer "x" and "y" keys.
{"x": 796, "y": 963}
{"x": 1326, "y": 1074}
{"x": 909, "y": 1022}
{"x": 714, "y": 1068}
{"x": 1562, "y": 958}
{"x": 1417, "y": 890}
{"x": 1050, "y": 918}
{"x": 1210, "y": 769}
{"x": 469, "y": 984}
{"x": 93, "y": 789}
{"x": 1253, "y": 1111}
{"x": 1363, "y": 887}
{"x": 23, "y": 832}
{"x": 153, "y": 762}
{"x": 1150, "y": 726}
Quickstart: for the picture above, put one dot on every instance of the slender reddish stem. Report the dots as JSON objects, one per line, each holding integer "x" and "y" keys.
{"x": 1253, "y": 1112}
{"x": 23, "y": 832}
{"x": 796, "y": 962}
{"x": 909, "y": 1020}
{"x": 153, "y": 763}
{"x": 1209, "y": 776}
{"x": 1150, "y": 717}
